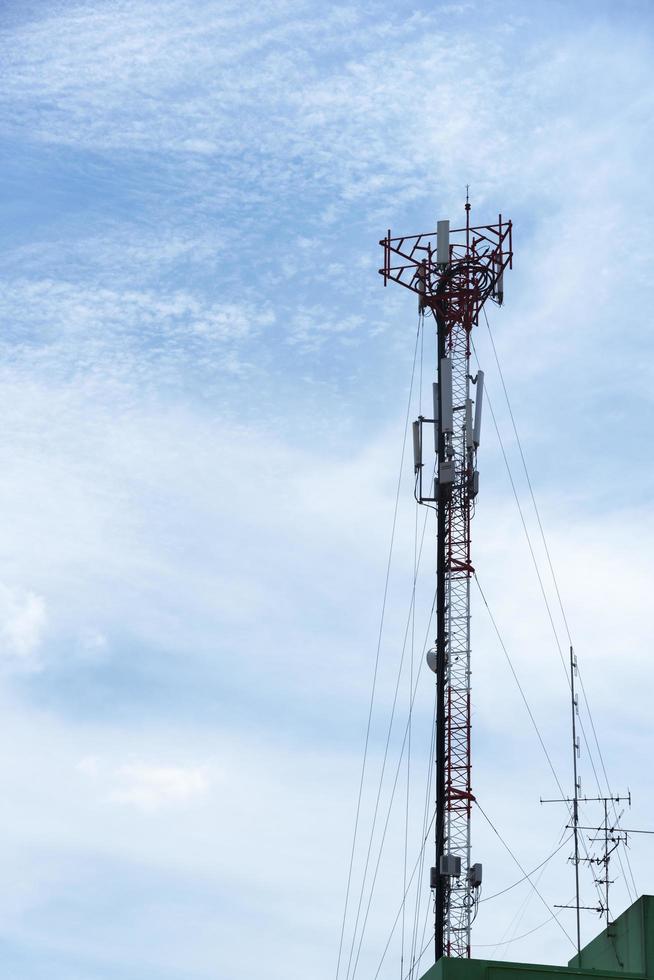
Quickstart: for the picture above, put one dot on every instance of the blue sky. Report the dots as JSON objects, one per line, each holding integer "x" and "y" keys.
{"x": 203, "y": 386}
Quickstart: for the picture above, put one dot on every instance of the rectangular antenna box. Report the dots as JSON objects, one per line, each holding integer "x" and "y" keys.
{"x": 450, "y": 865}
{"x": 475, "y": 875}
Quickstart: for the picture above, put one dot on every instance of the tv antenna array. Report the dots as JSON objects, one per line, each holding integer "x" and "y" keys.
{"x": 609, "y": 834}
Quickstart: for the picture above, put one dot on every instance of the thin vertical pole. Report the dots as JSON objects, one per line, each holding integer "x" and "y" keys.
{"x": 575, "y": 805}
{"x": 441, "y": 881}
{"x": 606, "y": 858}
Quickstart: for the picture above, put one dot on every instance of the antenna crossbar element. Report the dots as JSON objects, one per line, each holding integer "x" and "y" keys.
{"x": 453, "y": 272}
{"x": 584, "y": 908}
{"x": 609, "y": 836}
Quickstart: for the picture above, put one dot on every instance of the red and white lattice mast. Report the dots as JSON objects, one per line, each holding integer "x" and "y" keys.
{"x": 454, "y": 272}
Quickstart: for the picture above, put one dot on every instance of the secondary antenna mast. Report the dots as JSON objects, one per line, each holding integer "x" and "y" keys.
{"x": 574, "y": 704}
{"x": 454, "y": 272}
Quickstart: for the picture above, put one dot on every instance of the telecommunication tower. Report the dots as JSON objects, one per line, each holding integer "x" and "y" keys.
{"x": 454, "y": 272}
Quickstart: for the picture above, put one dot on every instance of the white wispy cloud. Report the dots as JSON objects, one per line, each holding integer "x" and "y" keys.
{"x": 197, "y": 375}
{"x": 153, "y": 786}
{"x": 22, "y": 623}
{"x": 442, "y": 93}
{"x": 80, "y": 330}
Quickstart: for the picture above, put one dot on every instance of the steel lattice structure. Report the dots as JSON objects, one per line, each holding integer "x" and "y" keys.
{"x": 454, "y": 273}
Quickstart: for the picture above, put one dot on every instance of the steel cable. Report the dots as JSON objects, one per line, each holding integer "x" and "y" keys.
{"x": 507, "y": 942}
{"x": 533, "y": 871}
{"x": 515, "y": 859}
{"x": 388, "y": 814}
{"x": 562, "y": 609}
{"x": 526, "y": 704}
{"x": 377, "y": 654}
{"x": 547, "y": 606}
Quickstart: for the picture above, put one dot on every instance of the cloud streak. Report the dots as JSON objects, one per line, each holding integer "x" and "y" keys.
{"x": 202, "y": 387}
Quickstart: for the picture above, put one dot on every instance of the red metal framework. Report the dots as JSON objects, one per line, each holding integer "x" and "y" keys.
{"x": 454, "y": 273}
{"x": 477, "y": 262}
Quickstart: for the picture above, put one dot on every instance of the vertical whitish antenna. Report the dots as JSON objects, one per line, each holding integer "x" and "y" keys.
{"x": 443, "y": 242}
{"x": 417, "y": 446}
{"x": 479, "y": 401}
{"x": 575, "y": 798}
{"x": 469, "y": 423}
{"x": 446, "y": 413}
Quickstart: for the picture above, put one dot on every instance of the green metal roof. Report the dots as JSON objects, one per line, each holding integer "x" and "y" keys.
{"x": 460, "y": 969}
{"x": 628, "y": 944}
{"x": 625, "y": 950}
